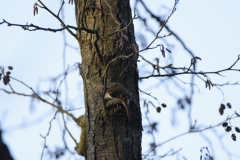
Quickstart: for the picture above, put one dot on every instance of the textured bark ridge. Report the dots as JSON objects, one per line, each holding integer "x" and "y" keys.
{"x": 109, "y": 134}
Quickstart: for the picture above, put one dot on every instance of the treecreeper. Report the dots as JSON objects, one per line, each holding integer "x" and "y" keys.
{"x": 115, "y": 93}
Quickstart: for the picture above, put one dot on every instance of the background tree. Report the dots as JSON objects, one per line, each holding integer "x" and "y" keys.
{"x": 183, "y": 101}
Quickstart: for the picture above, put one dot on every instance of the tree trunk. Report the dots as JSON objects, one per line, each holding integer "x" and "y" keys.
{"x": 111, "y": 134}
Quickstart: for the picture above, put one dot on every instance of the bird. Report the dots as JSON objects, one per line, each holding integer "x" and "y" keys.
{"x": 117, "y": 93}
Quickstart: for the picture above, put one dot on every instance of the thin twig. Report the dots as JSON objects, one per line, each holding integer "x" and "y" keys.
{"x": 45, "y": 137}
{"x": 189, "y": 71}
{"x": 158, "y": 19}
{"x": 160, "y": 30}
{"x": 43, "y": 100}
{"x": 35, "y": 28}
{"x": 60, "y": 8}
{"x": 192, "y": 130}
{"x": 135, "y": 17}
{"x": 45, "y": 7}
{"x": 65, "y": 126}
{"x": 122, "y": 56}
{"x": 149, "y": 95}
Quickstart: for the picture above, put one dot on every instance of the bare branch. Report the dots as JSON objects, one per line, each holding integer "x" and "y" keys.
{"x": 45, "y": 137}
{"x": 192, "y": 130}
{"x": 189, "y": 71}
{"x": 43, "y": 100}
{"x": 68, "y": 130}
{"x": 32, "y": 27}
{"x": 162, "y": 26}
{"x": 158, "y": 19}
{"x": 60, "y": 8}
{"x": 63, "y": 24}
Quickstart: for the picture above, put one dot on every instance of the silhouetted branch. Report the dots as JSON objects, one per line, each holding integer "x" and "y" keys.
{"x": 32, "y": 27}
{"x": 57, "y": 17}
{"x": 65, "y": 126}
{"x": 162, "y": 26}
{"x": 193, "y": 130}
{"x": 60, "y": 8}
{"x": 189, "y": 71}
{"x": 134, "y": 17}
{"x": 45, "y": 137}
{"x": 169, "y": 153}
{"x": 149, "y": 95}
{"x": 43, "y": 100}
{"x": 158, "y": 19}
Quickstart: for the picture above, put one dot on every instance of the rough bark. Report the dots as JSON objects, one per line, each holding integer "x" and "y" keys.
{"x": 110, "y": 135}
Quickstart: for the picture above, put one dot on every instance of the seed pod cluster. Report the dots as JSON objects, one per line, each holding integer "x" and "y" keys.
{"x": 229, "y": 128}
{"x": 234, "y": 137}
{"x": 223, "y": 107}
{"x": 158, "y": 109}
{"x": 6, "y": 77}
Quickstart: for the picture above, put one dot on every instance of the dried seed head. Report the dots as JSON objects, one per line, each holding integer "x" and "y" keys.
{"x": 221, "y": 110}
{"x": 10, "y": 67}
{"x": 6, "y": 79}
{"x": 164, "y": 105}
{"x": 237, "y": 129}
{"x": 228, "y": 129}
{"x": 222, "y": 106}
{"x": 224, "y": 124}
{"x": 158, "y": 109}
{"x": 229, "y": 105}
{"x": 234, "y": 137}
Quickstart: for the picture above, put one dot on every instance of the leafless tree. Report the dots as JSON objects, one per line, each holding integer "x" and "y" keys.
{"x": 111, "y": 127}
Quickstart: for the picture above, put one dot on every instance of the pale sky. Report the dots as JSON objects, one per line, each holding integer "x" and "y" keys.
{"x": 211, "y": 29}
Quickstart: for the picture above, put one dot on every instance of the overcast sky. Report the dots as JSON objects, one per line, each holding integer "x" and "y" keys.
{"x": 211, "y": 29}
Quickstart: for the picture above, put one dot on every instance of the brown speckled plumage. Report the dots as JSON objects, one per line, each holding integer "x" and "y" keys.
{"x": 119, "y": 94}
